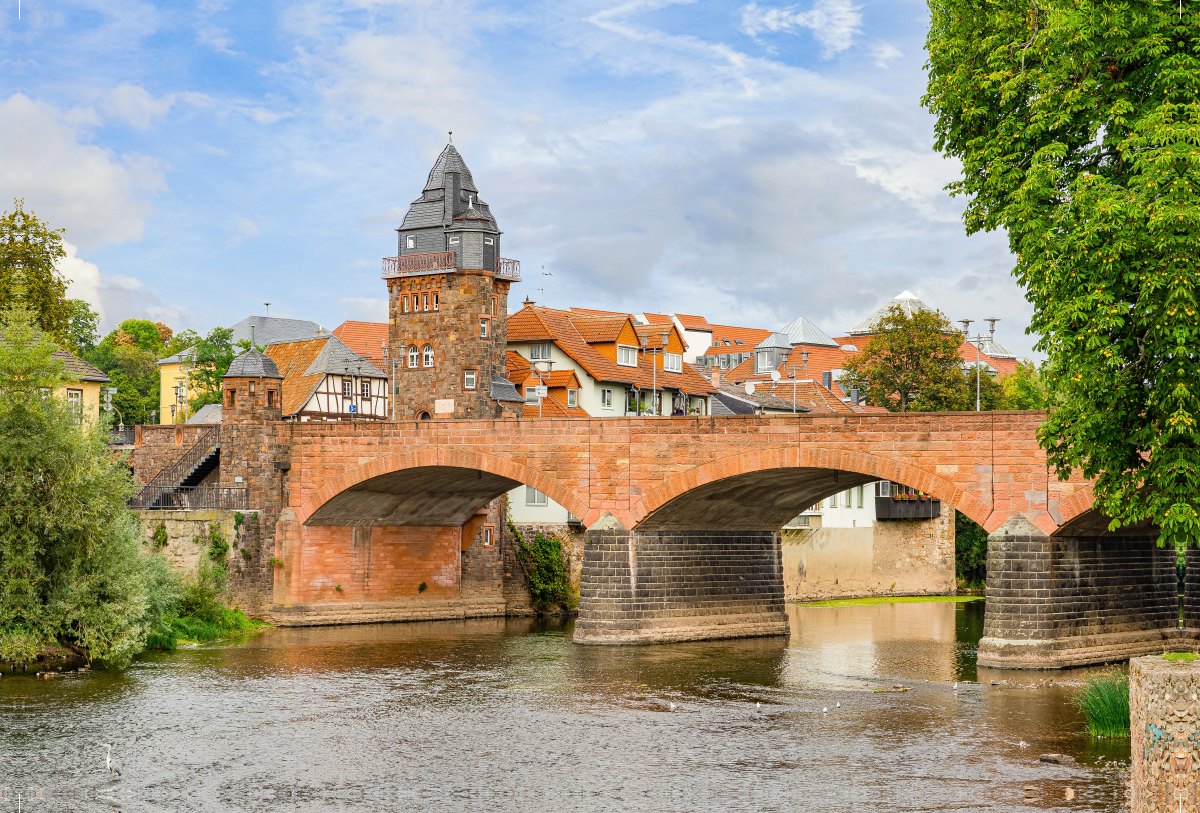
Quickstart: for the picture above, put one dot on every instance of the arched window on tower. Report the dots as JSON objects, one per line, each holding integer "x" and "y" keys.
{"x": 412, "y": 355}
{"x": 427, "y": 355}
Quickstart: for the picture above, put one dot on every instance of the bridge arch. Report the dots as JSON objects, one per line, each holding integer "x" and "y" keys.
{"x": 454, "y": 483}
{"x": 727, "y": 493}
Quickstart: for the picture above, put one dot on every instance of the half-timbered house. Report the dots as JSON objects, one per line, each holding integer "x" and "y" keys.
{"x": 324, "y": 380}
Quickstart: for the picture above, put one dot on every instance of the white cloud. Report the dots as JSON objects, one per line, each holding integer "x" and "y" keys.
{"x": 365, "y": 309}
{"x": 115, "y": 298}
{"x": 833, "y": 22}
{"x": 97, "y": 195}
{"x": 135, "y": 105}
{"x": 244, "y": 230}
{"x": 885, "y": 52}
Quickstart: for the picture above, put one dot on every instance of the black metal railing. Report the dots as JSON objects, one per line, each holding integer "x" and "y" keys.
{"x": 192, "y": 498}
{"x": 907, "y": 506}
{"x": 171, "y": 476}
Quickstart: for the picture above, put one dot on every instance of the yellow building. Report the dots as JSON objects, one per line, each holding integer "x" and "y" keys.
{"x": 82, "y": 392}
{"x": 174, "y": 387}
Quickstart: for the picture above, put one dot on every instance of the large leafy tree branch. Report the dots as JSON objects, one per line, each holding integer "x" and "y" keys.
{"x": 30, "y": 252}
{"x": 1078, "y": 128}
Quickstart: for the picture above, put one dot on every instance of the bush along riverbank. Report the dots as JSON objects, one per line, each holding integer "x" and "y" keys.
{"x": 1104, "y": 701}
{"x": 199, "y": 612}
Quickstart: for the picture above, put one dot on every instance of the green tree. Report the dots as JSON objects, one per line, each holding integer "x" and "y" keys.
{"x": 213, "y": 355}
{"x": 911, "y": 362}
{"x": 71, "y": 569}
{"x": 30, "y": 249}
{"x": 1077, "y": 126}
{"x": 970, "y": 550}
{"x": 83, "y": 326}
{"x": 1026, "y": 388}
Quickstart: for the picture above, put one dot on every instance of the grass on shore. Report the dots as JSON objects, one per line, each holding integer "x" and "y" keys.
{"x": 192, "y": 630}
{"x": 873, "y": 601}
{"x": 1104, "y": 701}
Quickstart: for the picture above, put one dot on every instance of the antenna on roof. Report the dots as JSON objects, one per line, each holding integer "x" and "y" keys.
{"x": 267, "y": 305}
{"x": 451, "y": 134}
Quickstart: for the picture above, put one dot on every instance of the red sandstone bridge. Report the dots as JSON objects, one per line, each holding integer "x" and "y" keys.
{"x": 683, "y": 517}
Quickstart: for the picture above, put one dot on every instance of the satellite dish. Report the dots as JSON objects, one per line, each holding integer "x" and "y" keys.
{"x": 749, "y": 387}
{"x": 775, "y": 376}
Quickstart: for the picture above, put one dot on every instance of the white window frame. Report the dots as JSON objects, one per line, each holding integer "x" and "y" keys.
{"x": 533, "y": 497}
{"x": 469, "y": 379}
{"x": 626, "y": 352}
{"x": 673, "y": 362}
{"x": 347, "y": 389}
{"x": 540, "y": 351}
{"x": 833, "y": 501}
{"x": 75, "y": 401}
{"x": 488, "y": 241}
{"x": 572, "y": 399}
{"x": 453, "y": 241}
{"x": 404, "y": 305}
{"x": 487, "y": 537}
{"x": 410, "y": 241}
{"x": 365, "y": 388}
{"x": 859, "y": 494}
{"x": 425, "y": 299}
{"x": 414, "y": 356}
{"x": 483, "y": 328}
{"x": 427, "y": 357}
{"x": 435, "y": 301}
{"x": 606, "y": 398}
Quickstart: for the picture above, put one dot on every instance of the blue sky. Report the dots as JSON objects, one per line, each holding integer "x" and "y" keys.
{"x": 747, "y": 161}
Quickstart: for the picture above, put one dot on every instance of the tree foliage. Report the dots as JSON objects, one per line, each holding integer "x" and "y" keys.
{"x": 70, "y": 563}
{"x": 212, "y": 356}
{"x": 1078, "y": 125}
{"x": 83, "y": 326}
{"x": 30, "y": 250}
{"x": 911, "y": 363}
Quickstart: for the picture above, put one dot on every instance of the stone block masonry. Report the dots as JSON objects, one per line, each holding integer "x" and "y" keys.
{"x": 1054, "y": 602}
{"x": 658, "y": 586}
{"x": 1164, "y": 726}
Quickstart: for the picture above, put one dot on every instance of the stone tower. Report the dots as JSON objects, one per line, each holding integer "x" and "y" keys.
{"x": 253, "y": 390}
{"x": 448, "y": 302}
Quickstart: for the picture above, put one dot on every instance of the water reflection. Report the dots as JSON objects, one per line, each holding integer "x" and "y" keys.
{"x": 500, "y": 714}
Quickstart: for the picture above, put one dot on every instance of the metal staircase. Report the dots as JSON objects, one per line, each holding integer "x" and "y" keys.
{"x": 172, "y": 486}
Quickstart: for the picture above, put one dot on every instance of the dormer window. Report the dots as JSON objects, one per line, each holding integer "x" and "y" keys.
{"x": 540, "y": 351}
{"x": 726, "y": 342}
{"x": 673, "y": 362}
{"x": 626, "y": 356}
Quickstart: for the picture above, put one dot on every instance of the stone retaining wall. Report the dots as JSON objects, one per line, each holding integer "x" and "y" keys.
{"x": 646, "y": 587}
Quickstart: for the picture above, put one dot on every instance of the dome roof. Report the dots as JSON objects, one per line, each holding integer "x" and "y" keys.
{"x": 907, "y": 303}
{"x": 252, "y": 364}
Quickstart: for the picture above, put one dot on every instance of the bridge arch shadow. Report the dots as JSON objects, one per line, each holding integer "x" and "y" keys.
{"x": 763, "y": 490}
{"x": 429, "y": 487}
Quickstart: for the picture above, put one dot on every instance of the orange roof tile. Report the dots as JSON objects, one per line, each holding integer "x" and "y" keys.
{"x": 591, "y": 312}
{"x": 292, "y": 359}
{"x": 653, "y": 334}
{"x": 599, "y": 328}
{"x": 690, "y": 322}
{"x": 552, "y": 408}
{"x": 749, "y": 336}
{"x": 365, "y": 338}
{"x": 658, "y": 319}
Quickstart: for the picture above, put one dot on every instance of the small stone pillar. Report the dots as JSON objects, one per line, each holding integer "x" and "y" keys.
{"x": 1164, "y": 724}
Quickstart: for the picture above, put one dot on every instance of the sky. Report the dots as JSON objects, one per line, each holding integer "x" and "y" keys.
{"x": 746, "y": 161}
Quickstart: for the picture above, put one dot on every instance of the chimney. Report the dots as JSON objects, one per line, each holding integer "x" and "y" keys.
{"x": 854, "y": 396}
{"x": 452, "y": 192}
{"x": 827, "y": 379}
{"x": 716, "y": 376}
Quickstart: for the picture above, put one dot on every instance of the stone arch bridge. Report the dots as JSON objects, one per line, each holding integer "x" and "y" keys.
{"x": 683, "y": 517}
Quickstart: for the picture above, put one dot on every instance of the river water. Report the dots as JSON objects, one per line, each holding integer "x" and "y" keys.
{"x": 509, "y": 715}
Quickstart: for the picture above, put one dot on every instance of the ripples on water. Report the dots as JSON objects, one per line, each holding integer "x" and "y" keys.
{"x": 507, "y": 715}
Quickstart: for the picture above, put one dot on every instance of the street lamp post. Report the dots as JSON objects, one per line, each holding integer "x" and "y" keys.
{"x": 978, "y": 342}
{"x": 649, "y": 351}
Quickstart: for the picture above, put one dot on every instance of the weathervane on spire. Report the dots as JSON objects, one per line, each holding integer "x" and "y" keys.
{"x": 451, "y": 133}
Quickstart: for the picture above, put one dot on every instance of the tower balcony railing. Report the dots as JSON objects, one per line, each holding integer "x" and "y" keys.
{"x": 407, "y": 264}
{"x": 508, "y": 269}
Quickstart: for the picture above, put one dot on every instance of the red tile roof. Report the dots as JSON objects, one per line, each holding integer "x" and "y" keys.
{"x": 79, "y": 370}
{"x": 292, "y": 359}
{"x": 551, "y": 408}
{"x": 749, "y": 336}
{"x": 658, "y": 319}
{"x": 599, "y": 328}
{"x": 365, "y": 338}
{"x": 590, "y": 312}
{"x": 690, "y": 322}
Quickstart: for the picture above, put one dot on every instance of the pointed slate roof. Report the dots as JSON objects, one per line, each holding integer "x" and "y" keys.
{"x": 252, "y": 364}
{"x": 802, "y": 331}
{"x": 907, "y": 302}
{"x": 450, "y": 161}
{"x": 780, "y": 340}
{"x": 335, "y": 357}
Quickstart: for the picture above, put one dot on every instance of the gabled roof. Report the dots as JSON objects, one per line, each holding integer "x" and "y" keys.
{"x": 305, "y": 363}
{"x": 552, "y": 408}
{"x": 658, "y": 319}
{"x": 207, "y": 414}
{"x": 690, "y": 322}
{"x": 520, "y": 374}
{"x": 907, "y": 302}
{"x": 749, "y": 337}
{"x": 593, "y": 312}
{"x": 802, "y": 331}
{"x": 503, "y": 391}
{"x": 264, "y": 329}
{"x": 599, "y": 328}
{"x": 365, "y": 338}
{"x": 78, "y": 369}
{"x": 653, "y": 334}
